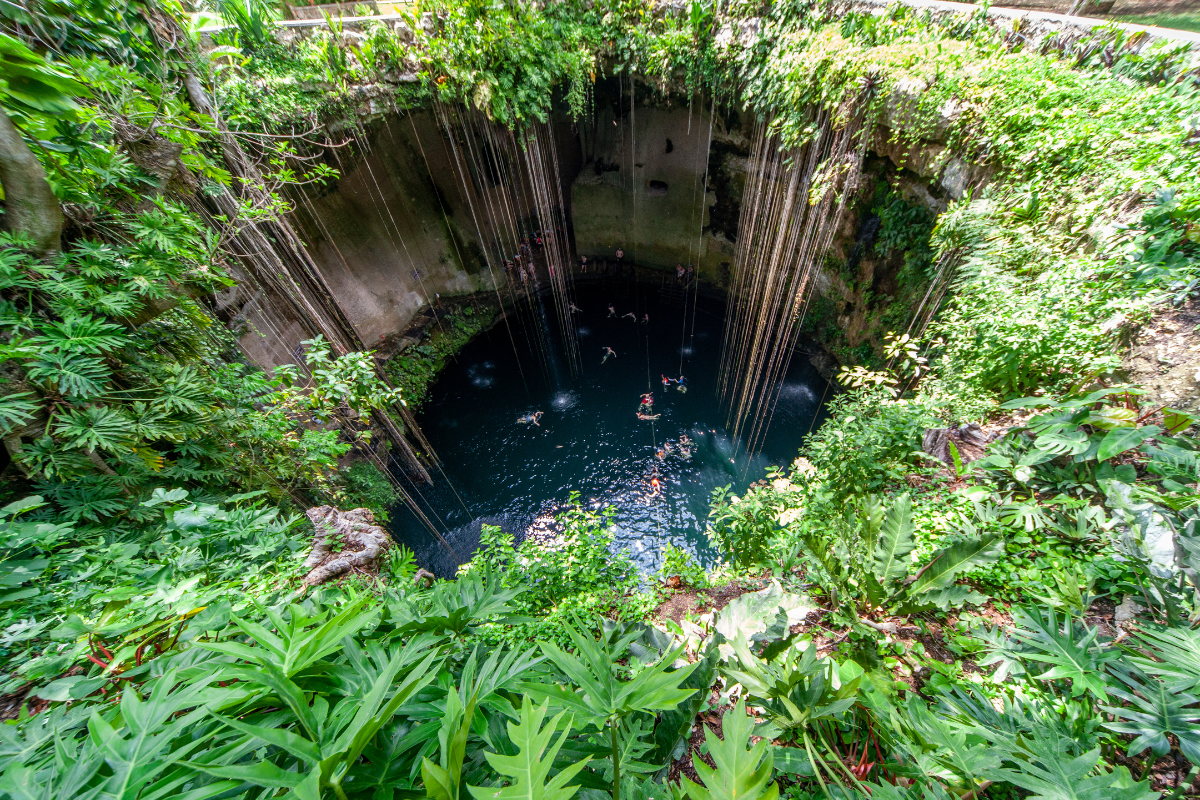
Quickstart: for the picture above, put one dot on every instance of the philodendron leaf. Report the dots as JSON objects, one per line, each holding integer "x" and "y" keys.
{"x": 527, "y": 771}
{"x": 1155, "y": 710}
{"x": 1112, "y": 418}
{"x": 1068, "y": 648}
{"x": 1119, "y": 440}
{"x": 895, "y": 543}
{"x": 762, "y": 616}
{"x": 1176, "y": 421}
{"x": 741, "y": 773}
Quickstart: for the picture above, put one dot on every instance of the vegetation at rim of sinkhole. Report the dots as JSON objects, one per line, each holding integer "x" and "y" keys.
{"x": 885, "y": 625}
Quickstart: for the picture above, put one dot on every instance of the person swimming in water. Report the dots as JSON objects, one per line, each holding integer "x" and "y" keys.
{"x": 612, "y": 312}
{"x": 648, "y": 401}
{"x": 631, "y": 315}
{"x": 574, "y": 309}
{"x": 650, "y": 417}
{"x": 655, "y": 486}
{"x": 686, "y": 447}
{"x": 608, "y": 353}
{"x": 666, "y": 381}
{"x": 681, "y": 385}
{"x": 531, "y": 418}
{"x": 646, "y": 320}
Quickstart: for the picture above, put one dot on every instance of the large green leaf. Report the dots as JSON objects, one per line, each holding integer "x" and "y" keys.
{"x": 890, "y": 562}
{"x": 1118, "y": 440}
{"x": 1068, "y": 647}
{"x": 762, "y": 616}
{"x": 528, "y": 772}
{"x": 1177, "y": 652}
{"x": 602, "y": 695}
{"x": 1155, "y": 710}
{"x": 953, "y": 560}
{"x": 741, "y": 773}
{"x": 1048, "y": 774}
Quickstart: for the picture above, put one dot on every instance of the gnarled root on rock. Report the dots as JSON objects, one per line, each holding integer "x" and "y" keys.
{"x": 344, "y": 541}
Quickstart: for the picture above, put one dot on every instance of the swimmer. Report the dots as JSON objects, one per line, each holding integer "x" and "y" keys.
{"x": 631, "y": 315}
{"x": 681, "y": 384}
{"x": 648, "y": 399}
{"x": 685, "y": 447}
{"x": 666, "y": 381}
{"x": 655, "y": 486}
{"x": 649, "y": 417}
{"x": 646, "y": 320}
{"x": 612, "y": 312}
{"x": 608, "y": 353}
{"x": 574, "y": 309}
{"x": 531, "y": 418}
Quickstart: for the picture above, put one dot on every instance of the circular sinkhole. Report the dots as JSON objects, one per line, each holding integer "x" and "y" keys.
{"x": 504, "y": 470}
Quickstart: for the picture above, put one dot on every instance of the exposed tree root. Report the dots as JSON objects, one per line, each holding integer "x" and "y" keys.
{"x": 344, "y": 541}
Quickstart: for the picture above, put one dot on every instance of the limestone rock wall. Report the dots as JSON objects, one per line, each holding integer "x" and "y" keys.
{"x": 394, "y": 231}
{"x": 641, "y": 186}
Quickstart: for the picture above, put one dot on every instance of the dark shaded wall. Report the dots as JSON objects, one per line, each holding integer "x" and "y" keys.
{"x": 642, "y": 186}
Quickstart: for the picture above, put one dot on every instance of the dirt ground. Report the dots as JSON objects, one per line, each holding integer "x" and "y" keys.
{"x": 1165, "y": 358}
{"x": 687, "y": 600}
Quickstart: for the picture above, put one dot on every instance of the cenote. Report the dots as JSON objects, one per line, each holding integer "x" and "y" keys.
{"x": 589, "y": 439}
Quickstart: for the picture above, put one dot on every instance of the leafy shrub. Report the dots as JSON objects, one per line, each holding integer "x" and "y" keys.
{"x": 868, "y": 441}
{"x": 369, "y": 488}
{"x": 580, "y": 573}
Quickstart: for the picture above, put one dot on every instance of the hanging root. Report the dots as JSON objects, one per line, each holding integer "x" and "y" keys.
{"x": 344, "y": 541}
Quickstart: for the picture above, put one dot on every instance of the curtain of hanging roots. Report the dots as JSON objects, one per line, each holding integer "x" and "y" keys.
{"x": 512, "y": 183}
{"x": 274, "y": 259}
{"x": 793, "y": 204}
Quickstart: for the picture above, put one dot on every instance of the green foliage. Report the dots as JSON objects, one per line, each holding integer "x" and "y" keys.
{"x": 414, "y": 370}
{"x": 868, "y": 442}
{"x": 741, "y": 773}
{"x": 367, "y": 487}
{"x": 679, "y": 563}
{"x": 580, "y": 574}
{"x": 528, "y": 770}
{"x": 795, "y": 688}
{"x": 135, "y": 573}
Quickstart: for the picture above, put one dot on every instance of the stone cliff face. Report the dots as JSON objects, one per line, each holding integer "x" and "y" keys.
{"x": 659, "y": 178}
{"x": 655, "y": 177}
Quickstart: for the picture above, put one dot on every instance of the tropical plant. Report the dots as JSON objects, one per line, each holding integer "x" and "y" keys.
{"x": 741, "y": 772}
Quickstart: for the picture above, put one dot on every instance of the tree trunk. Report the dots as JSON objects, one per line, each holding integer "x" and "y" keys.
{"x": 30, "y": 207}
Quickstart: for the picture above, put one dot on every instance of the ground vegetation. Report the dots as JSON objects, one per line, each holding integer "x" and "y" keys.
{"x": 1018, "y": 619}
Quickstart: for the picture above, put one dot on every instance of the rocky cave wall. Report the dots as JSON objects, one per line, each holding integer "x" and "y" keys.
{"x": 642, "y": 186}
{"x": 398, "y": 228}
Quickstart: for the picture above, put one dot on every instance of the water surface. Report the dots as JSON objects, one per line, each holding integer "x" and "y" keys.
{"x": 589, "y": 439}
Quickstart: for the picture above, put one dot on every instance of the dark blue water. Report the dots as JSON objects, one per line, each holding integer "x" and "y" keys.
{"x": 589, "y": 438}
